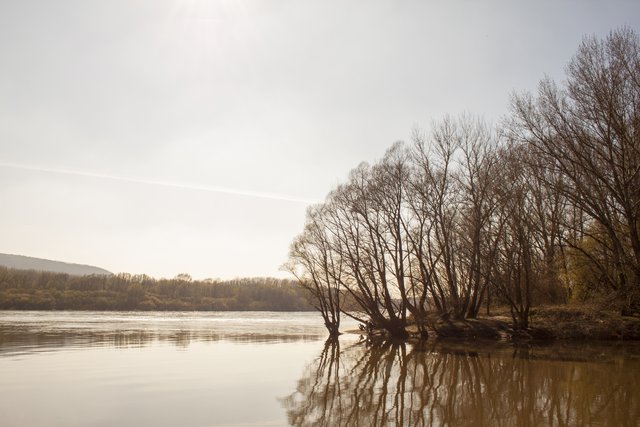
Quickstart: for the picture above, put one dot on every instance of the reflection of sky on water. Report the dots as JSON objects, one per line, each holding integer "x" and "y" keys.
{"x": 151, "y": 369}
{"x": 24, "y": 332}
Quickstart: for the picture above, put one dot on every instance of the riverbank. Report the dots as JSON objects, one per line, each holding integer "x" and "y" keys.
{"x": 576, "y": 323}
{"x": 546, "y": 323}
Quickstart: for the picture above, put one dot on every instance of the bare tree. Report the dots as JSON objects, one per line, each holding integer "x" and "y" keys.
{"x": 318, "y": 268}
{"x": 364, "y": 237}
{"x": 453, "y": 200}
{"x": 435, "y": 208}
{"x": 516, "y": 266}
{"x": 476, "y": 177}
{"x": 587, "y": 131}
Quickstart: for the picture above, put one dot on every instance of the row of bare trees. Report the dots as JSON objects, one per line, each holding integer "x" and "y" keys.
{"x": 546, "y": 205}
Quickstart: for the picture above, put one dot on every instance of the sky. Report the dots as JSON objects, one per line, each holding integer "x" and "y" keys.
{"x": 189, "y": 136}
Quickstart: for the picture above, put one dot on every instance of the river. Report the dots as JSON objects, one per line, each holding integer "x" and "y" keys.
{"x": 275, "y": 369}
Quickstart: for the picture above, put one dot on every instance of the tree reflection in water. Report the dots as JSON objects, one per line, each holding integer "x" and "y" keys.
{"x": 393, "y": 383}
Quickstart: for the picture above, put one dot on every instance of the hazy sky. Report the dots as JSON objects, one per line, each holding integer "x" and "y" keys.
{"x": 171, "y": 136}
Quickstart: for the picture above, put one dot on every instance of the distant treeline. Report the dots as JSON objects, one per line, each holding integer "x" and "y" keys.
{"x": 35, "y": 290}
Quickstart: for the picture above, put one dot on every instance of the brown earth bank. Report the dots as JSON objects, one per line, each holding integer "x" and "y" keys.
{"x": 546, "y": 323}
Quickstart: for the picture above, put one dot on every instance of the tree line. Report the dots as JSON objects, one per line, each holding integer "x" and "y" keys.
{"x": 36, "y": 290}
{"x": 544, "y": 207}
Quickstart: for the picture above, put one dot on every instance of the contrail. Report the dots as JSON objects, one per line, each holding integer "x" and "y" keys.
{"x": 211, "y": 189}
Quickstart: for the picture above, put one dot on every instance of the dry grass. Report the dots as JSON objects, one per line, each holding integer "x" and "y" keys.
{"x": 584, "y": 322}
{"x": 558, "y": 322}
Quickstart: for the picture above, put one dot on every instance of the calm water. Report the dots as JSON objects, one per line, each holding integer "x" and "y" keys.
{"x": 275, "y": 369}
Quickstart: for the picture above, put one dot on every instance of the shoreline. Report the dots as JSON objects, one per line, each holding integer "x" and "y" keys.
{"x": 547, "y": 324}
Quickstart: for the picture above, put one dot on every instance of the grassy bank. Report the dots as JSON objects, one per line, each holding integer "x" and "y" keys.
{"x": 559, "y": 322}
{"x": 583, "y": 323}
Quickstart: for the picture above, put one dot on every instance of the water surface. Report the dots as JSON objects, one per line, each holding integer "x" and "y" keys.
{"x": 275, "y": 369}
{"x": 152, "y": 369}
{"x": 469, "y": 384}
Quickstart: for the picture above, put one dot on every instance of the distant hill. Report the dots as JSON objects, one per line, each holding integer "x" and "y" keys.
{"x": 20, "y": 262}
